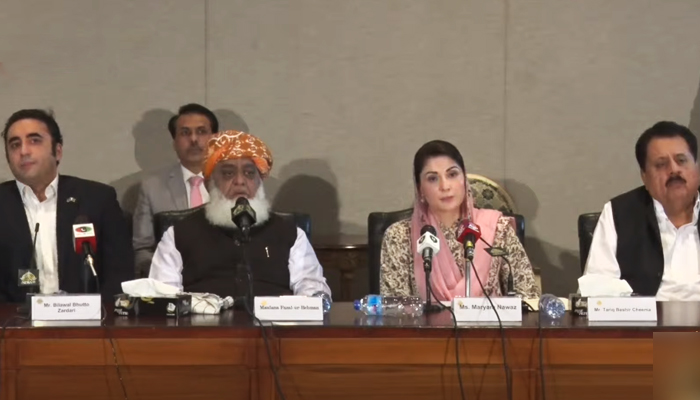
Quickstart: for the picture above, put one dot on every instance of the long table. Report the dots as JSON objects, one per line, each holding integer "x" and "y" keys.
{"x": 348, "y": 356}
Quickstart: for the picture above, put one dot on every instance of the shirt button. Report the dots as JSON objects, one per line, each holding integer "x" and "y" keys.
{"x": 658, "y": 274}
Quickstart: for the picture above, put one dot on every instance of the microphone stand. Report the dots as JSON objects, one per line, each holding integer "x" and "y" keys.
{"x": 510, "y": 286}
{"x": 248, "y": 297}
{"x": 429, "y": 306}
{"x": 90, "y": 275}
{"x": 468, "y": 276}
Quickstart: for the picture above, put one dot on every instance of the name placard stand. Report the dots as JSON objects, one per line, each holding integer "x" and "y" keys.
{"x": 288, "y": 308}
{"x": 479, "y": 309}
{"x": 622, "y": 309}
{"x": 65, "y": 307}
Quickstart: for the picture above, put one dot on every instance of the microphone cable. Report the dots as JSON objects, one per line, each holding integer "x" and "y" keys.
{"x": 456, "y": 329}
{"x": 541, "y": 350}
{"x": 107, "y": 330}
{"x": 249, "y": 309}
{"x": 539, "y": 334}
{"x": 2, "y": 335}
{"x": 506, "y": 368}
{"x": 114, "y": 352}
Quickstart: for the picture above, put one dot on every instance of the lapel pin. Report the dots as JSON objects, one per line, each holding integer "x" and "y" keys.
{"x": 71, "y": 200}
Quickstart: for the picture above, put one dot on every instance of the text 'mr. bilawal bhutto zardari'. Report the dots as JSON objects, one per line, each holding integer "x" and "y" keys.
{"x": 203, "y": 254}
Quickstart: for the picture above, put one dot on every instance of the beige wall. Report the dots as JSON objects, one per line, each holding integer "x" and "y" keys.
{"x": 546, "y": 97}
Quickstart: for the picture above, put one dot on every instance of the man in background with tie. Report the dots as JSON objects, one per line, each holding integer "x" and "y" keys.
{"x": 179, "y": 187}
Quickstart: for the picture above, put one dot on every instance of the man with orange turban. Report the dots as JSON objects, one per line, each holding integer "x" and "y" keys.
{"x": 201, "y": 253}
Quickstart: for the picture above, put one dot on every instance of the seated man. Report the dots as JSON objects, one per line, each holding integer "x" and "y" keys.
{"x": 40, "y": 206}
{"x": 203, "y": 253}
{"x": 178, "y": 187}
{"x": 649, "y": 236}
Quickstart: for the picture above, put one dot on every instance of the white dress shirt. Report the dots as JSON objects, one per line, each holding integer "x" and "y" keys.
{"x": 43, "y": 213}
{"x": 681, "y": 247}
{"x": 305, "y": 272}
{"x": 186, "y": 175}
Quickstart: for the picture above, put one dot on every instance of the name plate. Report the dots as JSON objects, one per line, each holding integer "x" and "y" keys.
{"x": 66, "y": 307}
{"x": 289, "y": 308}
{"x": 478, "y": 309}
{"x": 621, "y": 309}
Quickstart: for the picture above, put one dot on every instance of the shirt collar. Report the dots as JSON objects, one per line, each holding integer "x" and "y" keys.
{"x": 661, "y": 214}
{"x": 51, "y": 190}
{"x": 187, "y": 174}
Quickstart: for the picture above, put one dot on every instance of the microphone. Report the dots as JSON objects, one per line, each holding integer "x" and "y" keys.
{"x": 84, "y": 241}
{"x": 29, "y": 277}
{"x": 499, "y": 252}
{"x": 32, "y": 262}
{"x": 467, "y": 234}
{"x": 243, "y": 215}
{"x": 428, "y": 246}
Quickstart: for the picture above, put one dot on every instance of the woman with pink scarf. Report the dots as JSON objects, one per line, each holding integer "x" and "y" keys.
{"x": 443, "y": 199}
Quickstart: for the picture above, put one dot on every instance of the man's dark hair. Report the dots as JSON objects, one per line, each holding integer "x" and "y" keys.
{"x": 40, "y": 115}
{"x": 193, "y": 108}
{"x": 664, "y": 129}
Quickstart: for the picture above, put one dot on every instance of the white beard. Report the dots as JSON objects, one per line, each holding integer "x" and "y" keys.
{"x": 218, "y": 210}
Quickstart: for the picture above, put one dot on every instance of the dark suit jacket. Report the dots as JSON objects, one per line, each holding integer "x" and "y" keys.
{"x": 114, "y": 256}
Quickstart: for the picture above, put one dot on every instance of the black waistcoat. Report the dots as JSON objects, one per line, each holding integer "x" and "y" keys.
{"x": 639, "y": 250}
{"x": 213, "y": 257}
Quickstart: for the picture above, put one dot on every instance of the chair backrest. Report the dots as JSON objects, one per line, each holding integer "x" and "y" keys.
{"x": 490, "y": 195}
{"x": 377, "y": 224}
{"x": 586, "y": 227}
{"x": 129, "y": 223}
{"x": 164, "y": 220}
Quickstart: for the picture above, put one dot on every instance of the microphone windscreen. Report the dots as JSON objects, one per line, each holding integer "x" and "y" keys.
{"x": 428, "y": 228}
{"x": 82, "y": 219}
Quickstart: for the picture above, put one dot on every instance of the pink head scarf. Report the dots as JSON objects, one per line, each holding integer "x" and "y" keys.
{"x": 446, "y": 279}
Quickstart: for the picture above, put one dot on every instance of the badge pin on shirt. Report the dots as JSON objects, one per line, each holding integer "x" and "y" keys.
{"x": 71, "y": 200}
{"x": 267, "y": 252}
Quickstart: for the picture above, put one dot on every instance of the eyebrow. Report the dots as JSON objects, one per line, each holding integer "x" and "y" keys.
{"x": 244, "y": 166}
{"x": 448, "y": 170}
{"x": 666, "y": 157}
{"x": 194, "y": 127}
{"x": 31, "y": 135}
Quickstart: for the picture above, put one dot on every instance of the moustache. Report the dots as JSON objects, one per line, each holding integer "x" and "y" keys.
{"x": 676, "y": 178}
{"x": 195, "y": 148}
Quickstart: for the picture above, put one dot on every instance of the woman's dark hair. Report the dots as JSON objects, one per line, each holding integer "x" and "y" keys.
{"x": 435, "y": 148}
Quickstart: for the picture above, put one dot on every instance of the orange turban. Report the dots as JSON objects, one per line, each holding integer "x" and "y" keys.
{"x": 232, "y": 145}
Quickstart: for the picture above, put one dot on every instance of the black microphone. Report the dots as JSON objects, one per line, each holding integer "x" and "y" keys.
{"x": 502, "y": 253}
{"x": 29, "y": 277}
{"x": 243, "y": 216}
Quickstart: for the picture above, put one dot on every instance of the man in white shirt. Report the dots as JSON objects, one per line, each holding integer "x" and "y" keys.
{"x": 649, "y": 236}
{"x": 41, "y": 205}
{"x": 204, "y": 252}
{"x": 179, "y": 187}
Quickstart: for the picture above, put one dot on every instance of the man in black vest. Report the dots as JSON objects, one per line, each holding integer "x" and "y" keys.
{"x": 41, "y": 197}
{"x": 203, "y": 253}
{"x": 649, "y": 236}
